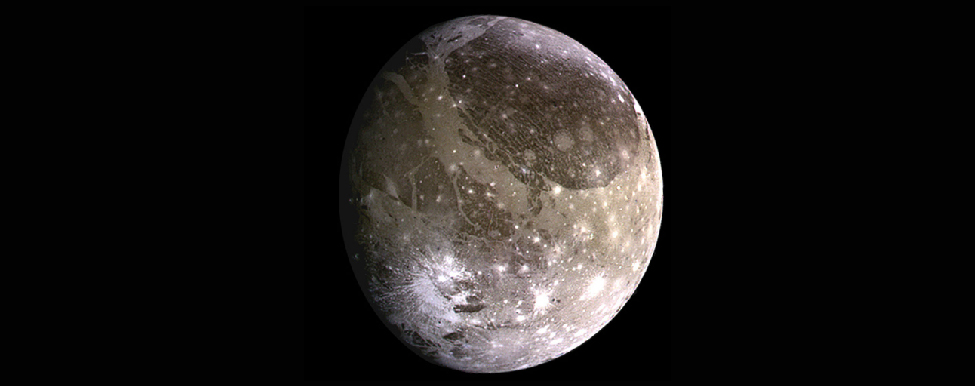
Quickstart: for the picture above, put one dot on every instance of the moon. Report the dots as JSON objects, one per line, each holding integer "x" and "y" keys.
{"x": 506, "y": 192}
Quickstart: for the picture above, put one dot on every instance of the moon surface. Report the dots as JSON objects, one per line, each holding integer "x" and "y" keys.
{"x": 501, "y": 194}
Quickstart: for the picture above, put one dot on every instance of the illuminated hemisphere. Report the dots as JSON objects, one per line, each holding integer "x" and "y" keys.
{"x": 501, "y": 194}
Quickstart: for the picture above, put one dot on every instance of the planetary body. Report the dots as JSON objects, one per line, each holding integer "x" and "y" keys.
{"x": 501, "y": 194}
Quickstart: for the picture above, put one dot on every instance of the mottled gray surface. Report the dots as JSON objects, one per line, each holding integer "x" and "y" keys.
{"x": 508, "y": 193}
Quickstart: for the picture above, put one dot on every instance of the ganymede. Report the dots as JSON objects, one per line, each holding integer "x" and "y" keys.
{"x": 501, "y": 194}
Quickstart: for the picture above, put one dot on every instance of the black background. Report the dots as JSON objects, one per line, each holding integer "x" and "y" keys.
{"x": 344, "y": 48}
{"x": 229, "y": 118}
